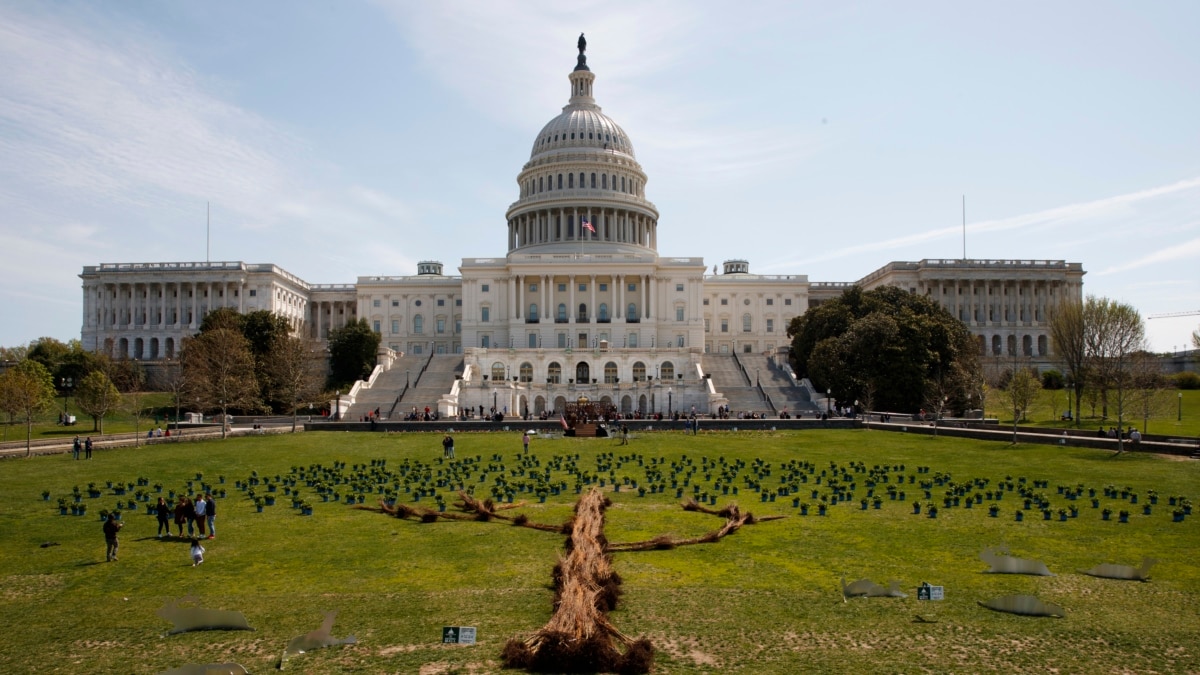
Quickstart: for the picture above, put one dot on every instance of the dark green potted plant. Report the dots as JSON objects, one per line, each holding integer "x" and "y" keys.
{"x": 1019, "y": 515}
{"x": 62, "y": 505}
{"x": 45, "y": 495}
{"x": 994, "y": 511}
{"x": 1178, "y": 515}
{"x": 933, "y": 511}
{"x": 804, "y": 509}
{"x": 258, "y": 503}
{"x": 1123, "y": 516}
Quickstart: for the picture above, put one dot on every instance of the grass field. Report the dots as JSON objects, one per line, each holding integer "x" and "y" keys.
{"x": 765, "y": 600}
{"x": 1180, "y": 415}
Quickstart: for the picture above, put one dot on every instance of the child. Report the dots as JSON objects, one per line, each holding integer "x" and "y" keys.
{"x": 197, "y": 552}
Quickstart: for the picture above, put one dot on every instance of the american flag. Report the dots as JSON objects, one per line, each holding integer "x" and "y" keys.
{"x": 588, "y": 226}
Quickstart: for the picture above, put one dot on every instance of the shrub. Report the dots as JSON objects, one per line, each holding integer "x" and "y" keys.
{"x": 1187, "y": 380}
{"x": 1052, "y": 379}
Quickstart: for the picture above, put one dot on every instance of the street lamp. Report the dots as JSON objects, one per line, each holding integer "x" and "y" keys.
{"x": 829, "y": 403}
{"x": 669, "y": 401}
{"x": 494, "y": 392}
{"x": 337, "y": 409}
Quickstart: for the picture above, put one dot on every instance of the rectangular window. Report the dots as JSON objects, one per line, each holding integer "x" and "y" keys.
{"x": 679, "y": 314}
{"x": 485, "y": 341}
{"x": 441, "y": 302}
{"x": 787, "y": 301}
{"x": 770, "y": 325}
{"x": 441, "y": 326}
{"x": 582, "y": 287}
{"x": 724, "y": 325}
{"x": 532, "y": 288}
{"x": 633, "y": 340}
{"x": 395, "y": 326}
{"x": 678, "y": 288}
{"x": 770, "y": 301}
{"x": 375, "y": 325}
{"x": 253, "y": 292}
{"x": 375, "y": 303}
{"x": 485, "y": 288}
{"x": 679, "y": 342}
{"x": 485, "y": 314}
{"x": 603, "y": 288}
{"x": 707, "y": 325}
{"x": 562, "y": 340}
{"x": 394, "y": 347}
{"x": 458, "y": 302}
{"x": 395, "y": 303}
{"x": 724, "y": 301}
{"x": 533, "y": 343}
{"x": 706, "y": 302}
{"x": 562, "y": 288}
{"x": 457, "y": 327}
{"x": 632, "y": 288}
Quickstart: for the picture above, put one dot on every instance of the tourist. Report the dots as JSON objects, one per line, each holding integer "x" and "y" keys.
{"x": 163, "y": 511}
{"x": 200, "y": 508}
{"x": 111, "y": 527}
{"x": 525, "y": 442}
{"x": 448, "y": 447}
{"x": 76, "y": 446}
{"x": 87, "y": 448}
{"x": 210, "y": 508}
{"x": 180, "y": 514}
{"x": 1135, "y": 436}
{"x": 197, "y": 552}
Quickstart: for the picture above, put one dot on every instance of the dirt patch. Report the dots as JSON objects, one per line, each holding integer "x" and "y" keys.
{"x": 686, "y": 649}
{"x": 29, "y": 586}
{"x": 447, "y": 668}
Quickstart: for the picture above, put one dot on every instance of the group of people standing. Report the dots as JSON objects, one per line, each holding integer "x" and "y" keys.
{"x": 199, "y": 514}
{"x": 77, "y": 446}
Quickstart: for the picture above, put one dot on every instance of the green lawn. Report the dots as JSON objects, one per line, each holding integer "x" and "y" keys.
{"x": 121, "y": 421}
{"x": 1180, "y": 416}
{"x": 765, "y": 600}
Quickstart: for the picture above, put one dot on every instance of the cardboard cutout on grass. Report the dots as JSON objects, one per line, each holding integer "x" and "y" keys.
{"x": 186, "y": 619}
{"x": 579, "y": 637}
{"x": 865, "y": 588}
{"x": 317, "y": 639}
{"x": 1122, "y": 572}
{"x": 1024, "y": 605}
{"x": 1002, "y": 563}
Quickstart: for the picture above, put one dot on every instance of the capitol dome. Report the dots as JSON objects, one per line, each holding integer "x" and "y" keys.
{"x": 582, "y": 189}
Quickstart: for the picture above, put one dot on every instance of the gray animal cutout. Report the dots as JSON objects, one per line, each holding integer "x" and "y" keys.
{"x": 1002, "y": 563}
{"x": 317, "y": 639}
{"x": 865, "y": 588}
{"x": 207, "y": 669}
{"x": 1025, "y": 605}
{"x": 185, "y": 619}
{"x": 1122, "y": 572}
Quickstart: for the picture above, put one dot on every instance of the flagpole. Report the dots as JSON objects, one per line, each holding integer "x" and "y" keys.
{"x": 207, "y": 232}
{"x": 964, "y": 227}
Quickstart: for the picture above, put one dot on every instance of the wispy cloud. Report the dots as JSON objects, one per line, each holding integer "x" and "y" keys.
{"x": 1183, "y": 251}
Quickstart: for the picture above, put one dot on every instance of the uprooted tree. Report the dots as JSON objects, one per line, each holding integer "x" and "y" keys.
{"x": 579, "y": 638}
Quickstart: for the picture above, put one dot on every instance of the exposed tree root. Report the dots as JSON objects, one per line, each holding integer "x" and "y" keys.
{"x": 579, "y": 637}
{"x": 733, "y": 516}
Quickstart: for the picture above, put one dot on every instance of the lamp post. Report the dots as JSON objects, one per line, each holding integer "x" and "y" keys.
{"x": 406, "y": 376}
{"x": 669, "y": 401}
{"x": 494, "y": 392}
{"x": 829, "y": 403}
{"x": 337, "y": 407}
{"x": 756, "y": 372}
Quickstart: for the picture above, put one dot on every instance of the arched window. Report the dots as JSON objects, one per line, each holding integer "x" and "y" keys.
{"x": 604, "y": 311}
{"x": 570, "y": 181}
{"x": 560, "y": 181}
{"x": 631, "y": 312}
{"x": 745, "y": 323}
{"x": 533, "y": 315}
{"x": 497, "y": 372}
{"x": 581, "y": 183}
{"x": 604, "y": 182}
{"x": 667, "y": 371}
{"x": 526, "y": 373}
{"x": 541, "y": 183}
{"x": 610, "y": 373}
{"x": 593, "y": 181}
{"x": 1042, "y": 346}
{"x": 582, "y": 316}
{"x": 622, "y": 183}
{"x": 562, "y": 313}
{"x": 639, "y": 371}
{"x": 1012, "y": 345}
{"x": 583, "y": 373}
{"x": 418, "y": 324}
{"x": 1027, "y": 345}
{"x": 996, "y": 345}
{"x": 554, "y": 373}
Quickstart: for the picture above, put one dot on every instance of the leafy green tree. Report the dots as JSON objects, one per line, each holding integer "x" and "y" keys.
{"x": 97, "y": 397}
{"x": 50, "y": 353}
{"x": 1115, "y": 333}
{"x": 899, "y": 346}
{"x": 26, "y": 390}
{"x": 14, "y": 354}
{"x": 261, "y": 328}
{"x": 1068, "y": 334}
{"x": 352, "y": 350}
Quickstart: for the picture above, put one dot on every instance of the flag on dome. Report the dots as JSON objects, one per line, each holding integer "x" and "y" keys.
{"x": 588, "y": 226}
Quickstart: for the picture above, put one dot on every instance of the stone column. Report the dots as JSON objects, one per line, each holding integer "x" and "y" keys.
{"x": 571, "y": 301}
{"x": 592, "y": 304}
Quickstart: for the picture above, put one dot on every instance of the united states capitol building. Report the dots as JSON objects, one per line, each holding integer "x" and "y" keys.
{"x": 582, "y": 303}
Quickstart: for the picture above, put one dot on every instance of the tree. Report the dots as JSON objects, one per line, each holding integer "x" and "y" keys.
{"x": 26, "y": 390}
{"x": 97, "y": 397}
{"x": 1068, "y": 333}
{"x": 1115, "y": 332}
{"x": 50, "y": 353}
{"x": 1149, "y": 396}
{"x": 296, "y": 372}
{"x": 352, "y": 351}
{"x": 220, "y": 371}
{"x": 1023, "y": 390}
{"x": 14, "y": 354}
{"x": 902, "y": 345}
{"x": 130, "y": 379}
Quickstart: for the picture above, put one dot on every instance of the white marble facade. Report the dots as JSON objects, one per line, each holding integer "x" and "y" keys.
{"x": 582, "y": 274}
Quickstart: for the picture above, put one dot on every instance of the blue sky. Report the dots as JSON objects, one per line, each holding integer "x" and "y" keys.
{"x": 339, "y": 139}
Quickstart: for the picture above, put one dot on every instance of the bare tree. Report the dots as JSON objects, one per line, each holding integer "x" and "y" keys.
{"x": 97, "y": 397}
{"x": 1068, "y": 333}
{"x": 130, "y": 380}
{"x": 220, "y": 372}
{"x": 26, "y": 390}
{"x": 1023, "y": 390}
{"x": 1115, "y": 333}
{"x": 296, "y": 372}
{"x": 1149, "y": 396}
